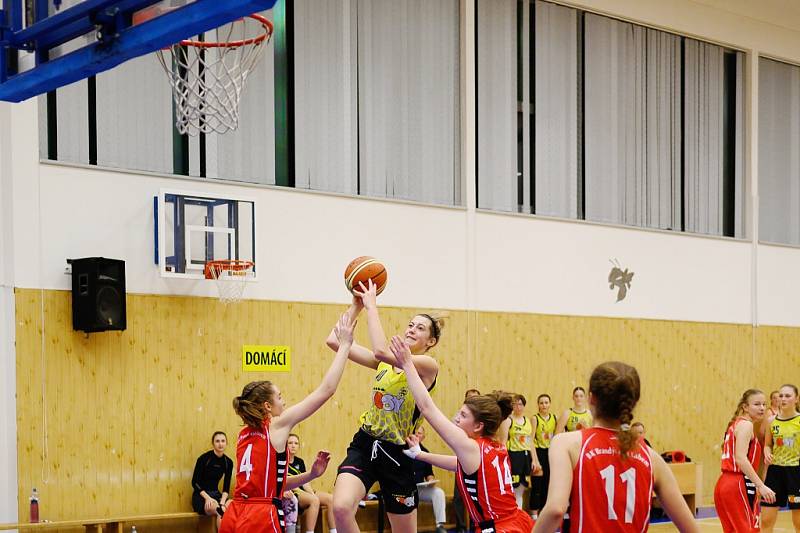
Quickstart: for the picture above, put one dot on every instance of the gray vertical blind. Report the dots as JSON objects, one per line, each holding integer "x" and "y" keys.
{"x": 632, "y": 118}
{"x": 779, "y": 151}
{"x": 408, "y": 99}
{"x": 556, "y": 110}
{"x": 497, "y": 104}
{"x": 704, "y": 137}
{"x": 134, "y": 116}
{"x": 325, "y": 96}
{"x": 248, "y": 153}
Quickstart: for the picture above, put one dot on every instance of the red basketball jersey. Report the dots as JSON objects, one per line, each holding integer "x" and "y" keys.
{"x": 729, "y": 447}
{"x": 260, "y": 470}
{"x": 609, "y": 493}
{"x": 488, "y": 493}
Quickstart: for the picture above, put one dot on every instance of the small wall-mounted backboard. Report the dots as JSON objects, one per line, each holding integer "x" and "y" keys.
{"x": 192, "y": 228}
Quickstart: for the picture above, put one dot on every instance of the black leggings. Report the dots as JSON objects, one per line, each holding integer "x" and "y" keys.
{"x": 539, "y": 484}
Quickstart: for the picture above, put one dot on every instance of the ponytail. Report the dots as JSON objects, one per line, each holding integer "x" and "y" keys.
{"x": 616, "y": 389}
{"x": 250, "y": 405}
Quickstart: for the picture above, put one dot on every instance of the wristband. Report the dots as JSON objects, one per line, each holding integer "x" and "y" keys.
{"x": 413, "y": 451}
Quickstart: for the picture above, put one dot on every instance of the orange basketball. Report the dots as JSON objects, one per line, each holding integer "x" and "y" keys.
{"x": 362, "y": 269}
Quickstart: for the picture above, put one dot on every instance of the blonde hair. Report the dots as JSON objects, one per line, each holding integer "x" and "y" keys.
{"x": 740, "y": 407}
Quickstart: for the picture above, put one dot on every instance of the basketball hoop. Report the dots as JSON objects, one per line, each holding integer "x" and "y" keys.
{"x": 207, "y": 77}
{"x": 231, "y": 276}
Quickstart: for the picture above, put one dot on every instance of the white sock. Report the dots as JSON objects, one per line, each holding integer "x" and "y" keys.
{"x": 332, "y": 530}
{"x": 312, "y": 531}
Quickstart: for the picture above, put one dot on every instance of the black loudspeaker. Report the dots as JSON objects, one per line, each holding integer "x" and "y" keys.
{"x": 98, "y": 294}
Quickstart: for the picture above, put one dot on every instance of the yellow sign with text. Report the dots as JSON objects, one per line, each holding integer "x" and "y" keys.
{"x": 266, "y": 358}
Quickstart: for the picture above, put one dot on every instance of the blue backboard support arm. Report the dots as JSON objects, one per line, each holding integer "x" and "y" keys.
{"x": 126, "y": 43}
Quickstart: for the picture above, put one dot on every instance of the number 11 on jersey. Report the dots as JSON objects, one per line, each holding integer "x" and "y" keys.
{"x": 628, "y": 477}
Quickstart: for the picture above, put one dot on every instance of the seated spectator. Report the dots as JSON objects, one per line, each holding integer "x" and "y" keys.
{"x": 638, "y": 429}
{"x": 309, "y": 500}
{"x": 290, "y": 509}
{"x": 210, "y": 467}
{"x": 429, "y": 492}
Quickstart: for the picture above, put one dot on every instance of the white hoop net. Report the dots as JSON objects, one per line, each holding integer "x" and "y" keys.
{"x": 231, "y": 277}
{"x": 207, "y": 78}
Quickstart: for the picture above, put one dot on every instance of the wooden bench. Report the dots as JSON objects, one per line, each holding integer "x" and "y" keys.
{"x": 205, "y": 524}
{"x": 371, "y": 519}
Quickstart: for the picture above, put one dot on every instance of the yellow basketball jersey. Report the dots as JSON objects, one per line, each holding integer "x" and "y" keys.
{"x": 545, "y": 429}
{"x": 393, "y": 414}
{"x": 577, "y": 421}
{"x": 519, "y": 436}
{"x": 786, "y": 441}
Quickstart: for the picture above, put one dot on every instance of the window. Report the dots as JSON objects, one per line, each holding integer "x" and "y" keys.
{"x": 779, "y": 151}
{"x": 359, "y": 97}
{"x": 587, "y": 117}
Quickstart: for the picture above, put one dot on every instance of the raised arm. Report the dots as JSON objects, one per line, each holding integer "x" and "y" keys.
{"x": 283, "y": 424}
{"x": 558, "y": 493}
{"x": 358, "y": 354}
{"x": 744, "y": 433}
{"x": 670, "y": 495}
{"x": 426, "y": 366}
{"x": 466, "y": 449}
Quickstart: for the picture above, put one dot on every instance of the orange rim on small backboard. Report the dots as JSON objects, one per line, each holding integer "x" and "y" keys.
{"x": 235, "y": 267}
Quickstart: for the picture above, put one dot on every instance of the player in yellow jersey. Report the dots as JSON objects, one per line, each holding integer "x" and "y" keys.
{"x": 782, "y": 454}
{"x": 520, "y": 439}
{"x": 577, "y": 417}
{"x": 376, "y": 452}
{"x": 544, "y": 427}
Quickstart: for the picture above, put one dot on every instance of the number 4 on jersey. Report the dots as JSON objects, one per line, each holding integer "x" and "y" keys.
{"x": 245, "y": 466}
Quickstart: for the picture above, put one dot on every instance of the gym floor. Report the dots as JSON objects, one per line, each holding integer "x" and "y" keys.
{"x": 783, "y": 525}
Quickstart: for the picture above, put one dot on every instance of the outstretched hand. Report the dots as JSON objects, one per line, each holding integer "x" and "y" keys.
{"x": 320, "y": 463}
{"x": 400, "y": 351}
{"x": 344, "y": 329}
{"x": 367, "y": 293}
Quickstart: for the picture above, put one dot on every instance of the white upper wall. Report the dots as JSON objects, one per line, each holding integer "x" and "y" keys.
{"x": 437, "y": 256}
{"x": 771, "y": 27}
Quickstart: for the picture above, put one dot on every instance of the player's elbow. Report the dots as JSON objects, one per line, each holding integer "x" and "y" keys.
{"x": 553, "y": 510}
{"x": 332, "y": 342}
{"x": 382, "y": 354}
